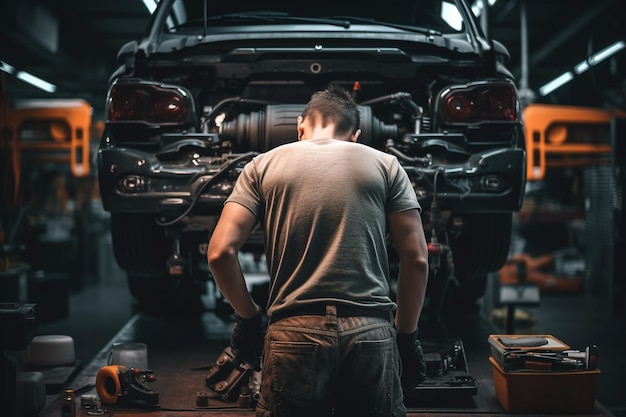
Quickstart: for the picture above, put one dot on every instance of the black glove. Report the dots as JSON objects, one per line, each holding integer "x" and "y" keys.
{"x": 246, "y": 340}
{"x": 412, "y": 358}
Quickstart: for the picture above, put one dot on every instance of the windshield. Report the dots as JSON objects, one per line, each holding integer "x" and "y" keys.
{"x": 439, "y": 16}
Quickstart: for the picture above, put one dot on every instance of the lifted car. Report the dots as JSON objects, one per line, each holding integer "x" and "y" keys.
{"x": 214, "y": 83}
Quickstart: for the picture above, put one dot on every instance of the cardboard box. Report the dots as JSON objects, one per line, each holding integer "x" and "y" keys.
{"x": 535, "y": 342}
{"x": 532, "y": 391}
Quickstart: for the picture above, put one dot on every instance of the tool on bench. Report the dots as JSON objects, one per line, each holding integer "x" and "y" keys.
{"x": 118, "y": 383}
{"x": 230, "y": 380}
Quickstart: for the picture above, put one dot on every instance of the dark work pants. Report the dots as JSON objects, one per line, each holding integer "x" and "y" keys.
{"x": 319, "y": 366}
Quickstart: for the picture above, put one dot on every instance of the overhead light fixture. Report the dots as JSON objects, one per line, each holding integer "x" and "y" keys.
{"x": 35, "y": 81}
{"x": 9, "y": 69}
{"x": 581, "y": 67}
{"x": 595, "y": 59}
{"x": 28, "y": 77}
{"x": 556, "y": 83}
{"x": 151, "y": 5}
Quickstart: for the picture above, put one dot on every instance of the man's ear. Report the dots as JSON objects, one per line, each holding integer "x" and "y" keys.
{"x": 300, "y": 128}
{"x": 355, "y": 136}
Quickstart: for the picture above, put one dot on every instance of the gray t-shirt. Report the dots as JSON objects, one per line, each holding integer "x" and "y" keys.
{"x": 322, "y": 204}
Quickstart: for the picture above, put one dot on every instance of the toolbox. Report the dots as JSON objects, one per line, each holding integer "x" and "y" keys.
{"x": 531, "y": 391}
{"x": 541, "y": 374}
{"x": 503, "y": 344}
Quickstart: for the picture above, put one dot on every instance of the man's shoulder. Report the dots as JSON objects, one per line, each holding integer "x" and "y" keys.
{"x": 375, "y": 153}
{"x": 286, "y": 147}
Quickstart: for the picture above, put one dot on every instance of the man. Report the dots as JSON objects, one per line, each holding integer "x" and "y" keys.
{"x": 326, "y": 205}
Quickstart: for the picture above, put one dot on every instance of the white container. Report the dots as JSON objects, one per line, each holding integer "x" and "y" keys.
{"x": 51, "y": 350}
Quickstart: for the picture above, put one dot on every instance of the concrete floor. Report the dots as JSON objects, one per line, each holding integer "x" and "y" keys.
{"x": 104, "y": 305}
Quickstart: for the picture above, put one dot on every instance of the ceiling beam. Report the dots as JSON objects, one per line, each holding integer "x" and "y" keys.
{"x": 553, "y": 44}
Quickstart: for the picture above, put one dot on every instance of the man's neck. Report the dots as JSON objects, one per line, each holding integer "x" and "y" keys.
{"x": 319, "y": 132}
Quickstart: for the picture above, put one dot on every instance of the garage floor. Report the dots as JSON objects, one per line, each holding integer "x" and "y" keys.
{"x": 103, "y": 313}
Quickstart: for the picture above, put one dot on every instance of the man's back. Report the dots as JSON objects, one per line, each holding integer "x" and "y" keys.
{"x": 324, "y": 205}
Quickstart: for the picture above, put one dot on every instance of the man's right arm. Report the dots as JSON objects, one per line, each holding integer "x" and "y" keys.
{"x": 408, "y": 236}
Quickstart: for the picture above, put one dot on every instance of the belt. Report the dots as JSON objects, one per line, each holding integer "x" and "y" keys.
{"x": 342, "y": 311}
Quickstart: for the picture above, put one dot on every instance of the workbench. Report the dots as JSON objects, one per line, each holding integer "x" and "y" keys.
{"x": 180, "y": 349}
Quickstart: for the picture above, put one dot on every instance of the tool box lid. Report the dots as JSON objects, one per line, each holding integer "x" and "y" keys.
{"x": 504, "y": 342}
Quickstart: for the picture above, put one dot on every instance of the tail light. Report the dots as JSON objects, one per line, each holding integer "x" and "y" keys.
{"x": 479, "y": 103}
{"x": 149, "y": 103}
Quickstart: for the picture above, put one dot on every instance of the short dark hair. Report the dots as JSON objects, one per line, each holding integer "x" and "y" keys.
{"x": 334, "y": 105}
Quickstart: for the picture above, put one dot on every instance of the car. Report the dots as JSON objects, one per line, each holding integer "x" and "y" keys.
{"x": 212, "y": 84}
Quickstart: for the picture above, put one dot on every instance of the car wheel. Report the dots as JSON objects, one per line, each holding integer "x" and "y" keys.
{"x": 139, "y": 244}
{"x": 483, "y": 245}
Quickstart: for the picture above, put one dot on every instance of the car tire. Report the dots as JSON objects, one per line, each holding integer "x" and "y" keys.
{"x": 139, "y": 244}
{"x": 483, "y": 245}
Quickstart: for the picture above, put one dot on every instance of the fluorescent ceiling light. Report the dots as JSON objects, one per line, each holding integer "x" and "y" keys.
{"x": 151, "y": 5}
{"x": 28, "y": 78}
{"x": 9, "y": 69}
{"x": 595, "y": 59}
{"x": 36, "y": 81}
{"x": 581, "y": 67}
{"x": 556, "y": 83}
